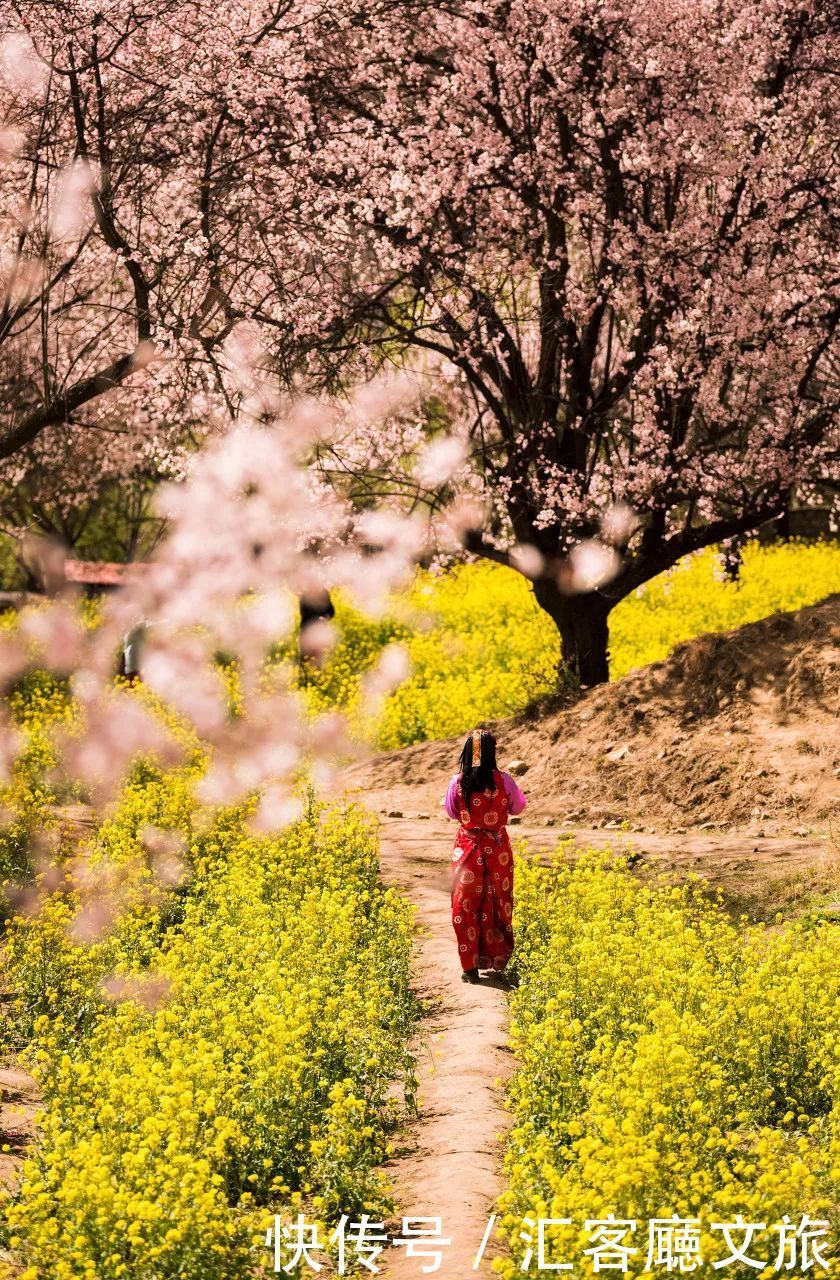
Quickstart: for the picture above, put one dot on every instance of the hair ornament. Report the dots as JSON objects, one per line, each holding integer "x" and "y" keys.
{"x": 476, "y": 748}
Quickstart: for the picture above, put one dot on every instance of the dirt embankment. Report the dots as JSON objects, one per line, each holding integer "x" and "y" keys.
{"x": 737, "y": 731}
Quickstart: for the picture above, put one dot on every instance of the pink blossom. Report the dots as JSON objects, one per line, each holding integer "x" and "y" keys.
{"x": 440, "y": 460}
{"x": 592, "y": 566}
{"x": 72, "y": 212}
{"x": 148, "y": 989}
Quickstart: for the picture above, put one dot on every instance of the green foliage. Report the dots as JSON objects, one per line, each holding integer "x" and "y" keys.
{"x": 117, "y": 524}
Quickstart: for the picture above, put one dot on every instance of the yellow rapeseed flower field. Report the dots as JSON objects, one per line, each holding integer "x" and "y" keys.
{"x": 670, "y": 1061}
{"x": 480, "y": 647}
{"x": 262, "y": 1083}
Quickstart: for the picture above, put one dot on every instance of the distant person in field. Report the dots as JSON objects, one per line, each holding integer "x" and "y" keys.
{"x": 316, "y": 609}
{"x": 131, "y": 648}
{"x": 481, "y": 799}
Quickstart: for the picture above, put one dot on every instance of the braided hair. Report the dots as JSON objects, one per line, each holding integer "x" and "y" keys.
{"x": 477, "y": 775}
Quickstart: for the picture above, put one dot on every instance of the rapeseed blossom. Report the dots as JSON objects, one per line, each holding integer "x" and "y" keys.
{"x": 670, "y": 1060}
{"x": 479, "y": 647}
{"x": 174, "y": 1129}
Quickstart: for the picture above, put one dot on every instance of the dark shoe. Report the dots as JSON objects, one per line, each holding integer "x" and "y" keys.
{"x": 470, "y": 975}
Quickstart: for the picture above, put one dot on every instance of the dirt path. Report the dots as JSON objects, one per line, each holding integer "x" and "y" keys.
{"x": 19, "y": 1102}
{"x": 449, "y": 1166}
{"x": 758, "y": 871}
{"x": 448, "y": 1160}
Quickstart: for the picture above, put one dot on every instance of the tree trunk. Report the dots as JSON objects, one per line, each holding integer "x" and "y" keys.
{"x": 584, "y": 631}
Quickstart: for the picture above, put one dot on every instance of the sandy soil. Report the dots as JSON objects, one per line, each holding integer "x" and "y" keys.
{"x": 18, "y": 1104}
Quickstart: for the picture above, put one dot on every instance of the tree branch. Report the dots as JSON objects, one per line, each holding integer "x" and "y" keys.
{"x": 62, "y": 406}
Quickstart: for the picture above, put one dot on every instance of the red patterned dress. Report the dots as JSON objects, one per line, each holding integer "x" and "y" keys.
{"x": 482, "y": 879}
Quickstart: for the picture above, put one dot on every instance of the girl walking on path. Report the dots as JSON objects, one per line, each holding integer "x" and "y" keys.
{"x": 481, "y": 799}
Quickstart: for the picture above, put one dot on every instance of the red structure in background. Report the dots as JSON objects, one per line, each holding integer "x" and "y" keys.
{"x": 94, "y": 573}
{"x": 96, "y": 576}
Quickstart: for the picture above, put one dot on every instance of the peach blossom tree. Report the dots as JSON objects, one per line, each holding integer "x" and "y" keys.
{"x": 611, "y": 231}
{"x": 605, "y": 231}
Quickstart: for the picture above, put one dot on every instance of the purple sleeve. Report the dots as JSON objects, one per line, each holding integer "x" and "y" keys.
{"x": 514, "y": 795}
{"x": 450, "y": 802}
